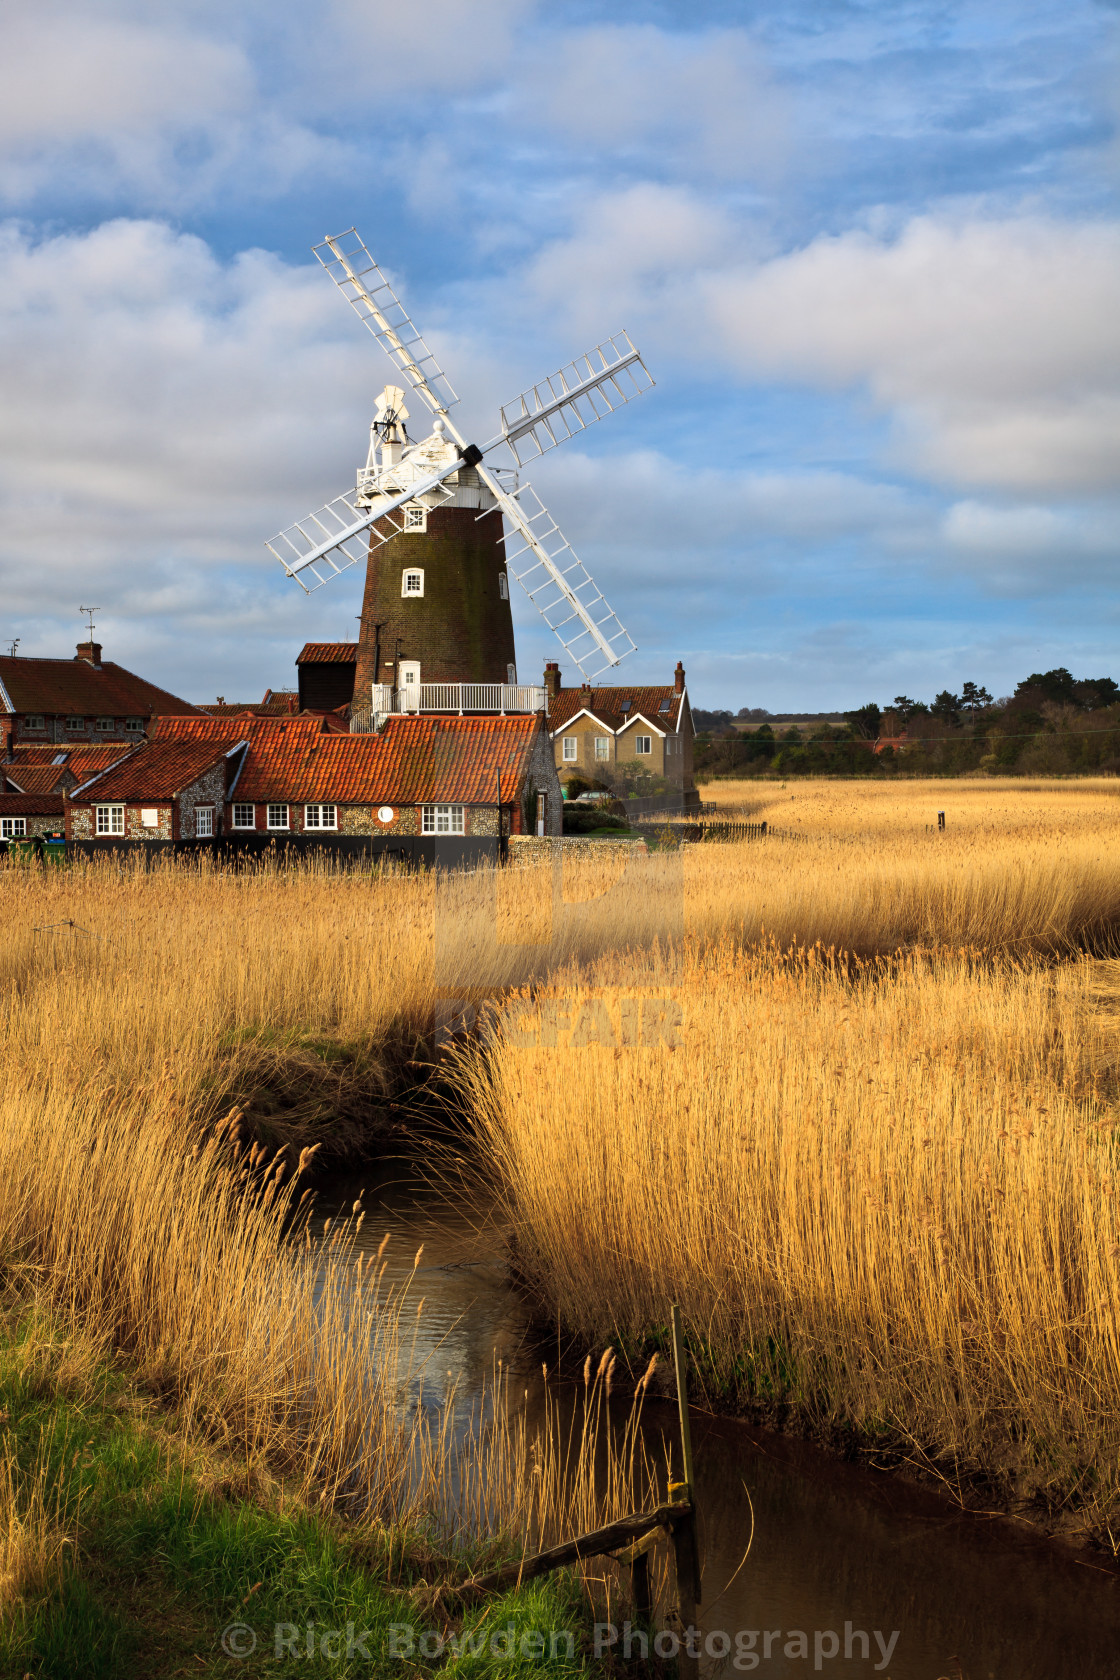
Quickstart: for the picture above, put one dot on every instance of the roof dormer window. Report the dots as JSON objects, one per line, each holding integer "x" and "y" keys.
{"x": 665, "y": 706}
{"x": 625, "y": 707}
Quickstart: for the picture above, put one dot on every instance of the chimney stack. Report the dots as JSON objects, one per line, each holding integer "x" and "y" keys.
{"x": 91, "y": 653}
{"x": 8, "y": 728}
{"x": 551, "y": 680}
{"x": 678, "y": 679}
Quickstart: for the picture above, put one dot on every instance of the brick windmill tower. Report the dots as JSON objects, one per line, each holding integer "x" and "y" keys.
{"x": 436, "y": 605}
{"x": 428, "y": 518}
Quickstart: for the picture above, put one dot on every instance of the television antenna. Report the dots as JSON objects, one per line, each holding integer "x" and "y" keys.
{"x": 89, "y": 612}
{"x": 13, "y": 645}
{"x": 551, "y": 574}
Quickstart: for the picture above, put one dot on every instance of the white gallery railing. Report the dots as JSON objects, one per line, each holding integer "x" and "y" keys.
{"x": 455, "y": 698}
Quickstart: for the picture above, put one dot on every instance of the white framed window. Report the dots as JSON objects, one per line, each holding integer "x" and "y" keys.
{"x": 571, "y": 748}
{"x": 503, "y": 586}
{"x": 412, "y": 581}
{"x": 110, "y": 819}
{"x": 415, "y": 517}
{"x": 277, "y": 816}
{"x": 320, "y": 816}
{"x": 134, "y": 725}
{"x": 13, "y": 828}
{"x": 602, "y": 746}
{"x": 74, "y": 724}
{"x": 244, "y": 816}
{"x": 35, "y": 720}
{"x": 203, "y": 822}
{"x": 104, "y": 726}
{"x": 511, "y": 675}
{"x": 643, "y": 744}
{"x": 442, "y": 819}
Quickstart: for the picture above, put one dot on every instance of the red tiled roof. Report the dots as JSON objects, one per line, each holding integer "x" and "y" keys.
{"x": 36, "y": 778}
{"x": 158, "y": 770}
{"x": 239, "y": 727}
{"x": 57, "y": 687}
{"x": 328, "y": 653}
{"x": 606, "y": 704}
{"x": 82, "y": 760}
{"x": 413, "y": 761}
{"x": 31, "y": 805}
{"x": 278, "y": 705}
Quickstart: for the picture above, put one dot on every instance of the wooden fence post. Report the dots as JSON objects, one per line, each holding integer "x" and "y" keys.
{"x": 685, "y": 1551}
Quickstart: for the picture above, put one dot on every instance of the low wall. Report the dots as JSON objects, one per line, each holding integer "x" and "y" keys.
{"x": 427, "y": 851}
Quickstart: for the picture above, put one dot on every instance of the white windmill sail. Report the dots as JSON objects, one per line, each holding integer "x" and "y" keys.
{"x": 554, "y": 578}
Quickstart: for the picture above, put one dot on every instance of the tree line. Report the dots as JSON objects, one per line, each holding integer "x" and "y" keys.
{"x": 1053, "y": 724}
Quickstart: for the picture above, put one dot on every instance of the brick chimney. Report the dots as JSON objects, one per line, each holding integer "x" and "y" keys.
{"x": 678, "y": 679}
{"x": 91, "y": 653}
{"x": 551, "y": 680}
{"x": 7, "y": 732}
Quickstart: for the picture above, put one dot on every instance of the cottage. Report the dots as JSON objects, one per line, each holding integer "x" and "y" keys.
{"x": 166, "y": 790}
{"x": 624, "y": 738}
{"x": 418, "y": 776}
{"x": 80, "y": 700}
{"x": 24, "y": 815}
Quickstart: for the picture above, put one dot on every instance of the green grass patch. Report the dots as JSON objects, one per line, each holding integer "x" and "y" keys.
{"x": 133, "y": 1551}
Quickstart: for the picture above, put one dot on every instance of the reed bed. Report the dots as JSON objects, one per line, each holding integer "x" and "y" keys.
{"x": 182, "y": 1247}
{"x": 821, "y": 1174}
{"x": 884, "y": 1194}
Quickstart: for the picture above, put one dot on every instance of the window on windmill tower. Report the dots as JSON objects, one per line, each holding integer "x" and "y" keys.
{"x": 511, "y": 675}
{"x": 503, "y": 586}
{"x": 415, "y": 517}
{"x": 412, "y": 583}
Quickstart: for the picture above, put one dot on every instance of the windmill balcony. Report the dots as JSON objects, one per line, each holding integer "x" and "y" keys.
{"x": 457, "y": 699}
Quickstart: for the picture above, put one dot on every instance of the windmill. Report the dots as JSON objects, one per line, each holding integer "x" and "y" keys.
{"x": 424, "y": 497}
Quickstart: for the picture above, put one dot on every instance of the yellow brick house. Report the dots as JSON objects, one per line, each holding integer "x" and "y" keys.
{"x": 612, "y": 735}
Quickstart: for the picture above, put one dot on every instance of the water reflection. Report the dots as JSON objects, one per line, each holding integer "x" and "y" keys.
{"x": 839, "y": 1551}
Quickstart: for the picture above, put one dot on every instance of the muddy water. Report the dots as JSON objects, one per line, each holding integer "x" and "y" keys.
{"x": 839, "y": 1552}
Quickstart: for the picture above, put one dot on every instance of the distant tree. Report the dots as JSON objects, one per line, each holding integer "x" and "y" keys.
{"x": 753, "y": 712}
{"x": 973, "y": 698}
{"x": 710, "y": 721}
{"x": 1094, "y": 692}
{"x": 1056, "y": 685}
{"x": 903, "y": 703}
{"x": 947, "y": 707}
{"x": 865, "y": 721}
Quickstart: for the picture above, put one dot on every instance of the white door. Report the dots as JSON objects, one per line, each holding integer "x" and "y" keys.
{"x": 542, "y": 813}
{"x": 410, "y": 685}
{"x": 204, "y": 821}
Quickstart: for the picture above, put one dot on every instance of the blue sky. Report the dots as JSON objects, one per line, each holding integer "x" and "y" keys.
{"x": 871, "y": 254}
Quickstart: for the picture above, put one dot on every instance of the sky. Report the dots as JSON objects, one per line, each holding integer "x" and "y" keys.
{"x": 869, "y": 249}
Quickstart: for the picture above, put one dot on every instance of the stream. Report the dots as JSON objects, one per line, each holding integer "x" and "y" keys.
{"x": 848, "y": 1558}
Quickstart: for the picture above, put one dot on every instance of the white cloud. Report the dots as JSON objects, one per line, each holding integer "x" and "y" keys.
{"x": 400, "y": 52}
{"x": 994, "y": 345}
{"x": 165, "y": 414}
{"x": 705, "y": 100}
{"x": 634, "y": 257}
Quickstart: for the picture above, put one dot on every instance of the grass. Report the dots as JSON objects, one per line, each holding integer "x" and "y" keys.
{"x": 177, "y": 1245}
{"x": 883, "y": 1184}
{"x": 131, "y": 1551}
{"x": 884, "y": 1194}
